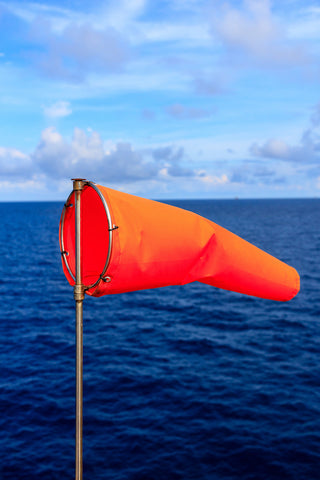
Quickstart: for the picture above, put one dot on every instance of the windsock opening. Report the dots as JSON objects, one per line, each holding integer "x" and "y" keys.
{"x": 96, "y": 236}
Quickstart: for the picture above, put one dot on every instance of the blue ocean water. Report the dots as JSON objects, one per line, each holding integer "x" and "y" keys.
{"x": 184, "y": 382}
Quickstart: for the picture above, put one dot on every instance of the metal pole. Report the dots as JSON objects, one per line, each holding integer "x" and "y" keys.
{"x": 78, "y": 184}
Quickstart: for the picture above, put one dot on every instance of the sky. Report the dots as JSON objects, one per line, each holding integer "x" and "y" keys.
{"x": 162, "y": 99}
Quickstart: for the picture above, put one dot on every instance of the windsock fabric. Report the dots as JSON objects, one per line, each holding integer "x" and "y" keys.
{"x": 156, "y": 245}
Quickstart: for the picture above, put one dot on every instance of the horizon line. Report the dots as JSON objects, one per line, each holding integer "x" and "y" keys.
{"x": 235, "y": 198}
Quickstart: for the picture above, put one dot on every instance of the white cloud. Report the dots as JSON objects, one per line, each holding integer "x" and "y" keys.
{"x": 58, "y": 109}
{"x": 121, "y": 13}
{"x": 28, "y": 11}
{"x": 14, "y": 164}
{"x": 77, "y": 50}
{"x": 213, "y": 180}
{"x": 28, "y": 187}
{"x": 124, "y": 45}
{"x": 306, "y": 152}
{"x": 306, "y": 25}
{"x": 167, "y": 171}
{"x": 254, "y": 31}
{"x": 86, "y": 155}
{"x": 273, "y": 148}
{"x": 184, "y": 32}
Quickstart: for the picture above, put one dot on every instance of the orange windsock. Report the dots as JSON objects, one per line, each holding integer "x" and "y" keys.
{"x": 130, "y": 243}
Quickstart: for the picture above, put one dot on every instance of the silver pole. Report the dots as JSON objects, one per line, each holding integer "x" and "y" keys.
{"x": 78, "y": 184}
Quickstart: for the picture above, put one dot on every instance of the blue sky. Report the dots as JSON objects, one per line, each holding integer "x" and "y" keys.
{"x": 164, "y": 99}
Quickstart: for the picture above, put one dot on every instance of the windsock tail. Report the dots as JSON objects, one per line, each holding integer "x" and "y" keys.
{"x": 131, "y": 243}
{"x": 246, "y": 269}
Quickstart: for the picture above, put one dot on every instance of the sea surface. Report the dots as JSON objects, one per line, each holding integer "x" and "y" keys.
{"x": 187, "y": 382}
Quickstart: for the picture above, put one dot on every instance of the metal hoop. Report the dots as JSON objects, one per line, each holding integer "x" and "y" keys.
{"x": 111, "y": 228}
{"x": 63, "y": 251}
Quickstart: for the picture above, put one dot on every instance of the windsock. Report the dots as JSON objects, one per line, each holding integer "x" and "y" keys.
{"x": 130, "y": 243}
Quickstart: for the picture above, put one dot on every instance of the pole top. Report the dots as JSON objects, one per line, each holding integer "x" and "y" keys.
{"x": 78, "y": 183}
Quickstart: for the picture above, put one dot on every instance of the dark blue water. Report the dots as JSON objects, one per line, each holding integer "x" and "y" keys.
{"x": 184, "y": 382}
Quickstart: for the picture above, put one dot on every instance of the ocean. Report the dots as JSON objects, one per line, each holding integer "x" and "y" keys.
{"x": 185, "y": 382}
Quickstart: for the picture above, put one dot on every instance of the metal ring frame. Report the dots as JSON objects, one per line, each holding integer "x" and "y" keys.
{"x": 110, "y": 230}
